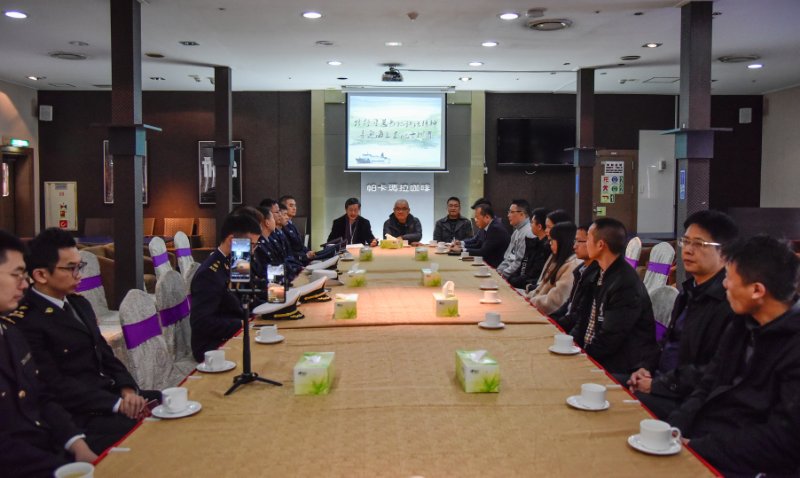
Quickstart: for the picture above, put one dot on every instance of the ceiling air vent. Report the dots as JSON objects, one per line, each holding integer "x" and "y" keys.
{"x": 549, "y": 24}
{"x": 66, "y": 55}
{"x": 738, "y": 58}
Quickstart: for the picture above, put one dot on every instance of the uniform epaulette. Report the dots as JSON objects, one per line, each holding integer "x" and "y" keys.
{"x": 7, "y": 319}
{"x": 214, "y": 266}
{"x": 17, "y": 314}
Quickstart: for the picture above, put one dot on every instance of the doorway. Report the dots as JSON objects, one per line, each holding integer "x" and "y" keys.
{"x": 17, "y": 214}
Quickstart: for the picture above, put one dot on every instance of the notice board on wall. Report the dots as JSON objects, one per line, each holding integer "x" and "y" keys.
{"x": 61, "y": 205}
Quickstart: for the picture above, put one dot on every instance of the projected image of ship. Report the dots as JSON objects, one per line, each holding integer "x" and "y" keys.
{"x": 368, "y": 158}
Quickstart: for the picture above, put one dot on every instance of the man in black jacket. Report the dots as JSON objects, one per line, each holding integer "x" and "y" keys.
{"x": 537, "y": 250}
{"x": 699, "y": 316}
{"x": 619, "y": 332}
{"x": 454, "y": 226}
{"x": 402, "y": 224}
{"x": 495, "y": 238}
{"x": 75, "y": 362}
{"x": 744, "y": 417}
{"x": 352, "y": 228}
{"x": 580, "y": 297}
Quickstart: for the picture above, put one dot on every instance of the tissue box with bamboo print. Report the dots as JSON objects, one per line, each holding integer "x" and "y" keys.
{"x": 313, "y": 373}
{"x": 446, "y": 305}
{"x": 431, "y": 278}
{"x": 421, "y": 254}
{"x": 477, "y": 371}
{"x": 365, "y": 254}
{"x": 345, "y": 306}
{"x": 391, "y": 244}
{"x": 355, "y": 278}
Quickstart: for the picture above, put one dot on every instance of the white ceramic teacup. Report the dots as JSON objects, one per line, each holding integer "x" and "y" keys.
{"x": 478, "y": 260}
{"x": 75, "y": 470}
{"x": 441, "y": 248}
{"x": 483, "y": 270}
{"x": 464, "y": 254}
{"x": 268, "y": 332}
{"x": 490, "y": 295}
{"x": 175, "y": 399}
{"x": 488, "y": 284}
{"x": 593, "y": 395}
{"x": 562, "y": 342}
{"x": 657, "y": 435}
{"x": 214, "y": 359}
{"x": 492, "y": 319}
{"x": 433, "y": 242}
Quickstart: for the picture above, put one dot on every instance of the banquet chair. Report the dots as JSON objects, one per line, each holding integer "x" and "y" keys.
{"x": 91, "y": 287}
{"x": 207, "y": 230}
{"x": 301, "y": 223}
{"x": 189, "y": 276}
{"x": 663, "y": 299}
{"x": 149, "y": 360}
{"x": 633, "y": 252}
{"x": 172, "y": 304}
{"x": 148, "y": 226}
{"x": 183, "y": 252}
{"x": 175, "y": 224}
{"x": 659, "y": 265}
{"x": 158, "y": 252}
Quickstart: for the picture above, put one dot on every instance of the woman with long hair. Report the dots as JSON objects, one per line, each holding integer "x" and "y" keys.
{"x": 556, "y": 280}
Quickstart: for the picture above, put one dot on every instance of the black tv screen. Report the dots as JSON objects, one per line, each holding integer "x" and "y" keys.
{"x": 534, "y": 142}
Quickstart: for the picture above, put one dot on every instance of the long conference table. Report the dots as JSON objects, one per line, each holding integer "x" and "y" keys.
{"x": 395, "y": 408}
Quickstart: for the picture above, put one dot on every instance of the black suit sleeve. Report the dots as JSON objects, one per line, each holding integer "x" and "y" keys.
{"x": 492, "y": 242}
{"x": 620, "y": 315}
{"x": 21, "y": 460}
{"x": 205, "y": 317}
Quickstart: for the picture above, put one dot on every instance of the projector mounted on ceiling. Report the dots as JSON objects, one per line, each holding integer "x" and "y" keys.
{"x": 392, "y": 74}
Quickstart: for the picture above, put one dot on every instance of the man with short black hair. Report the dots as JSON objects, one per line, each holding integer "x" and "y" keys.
{"x": 584, "y": 277}
{"x": 744, "y": 416}
{"x": 36, "y": 431}
{"x": 402, "y": 224}
{"x": 496, "y": 237}
{"x": 619, "y": 330}
{"x": 454, "y": 226}
{"x": 537, "y": 250}
{"x": 352, "y": 227}
{"x": 699, "y": 316}
{"x": 518, "y": 213}
{"x": 296, "y": 241}
{"x": 217, "y": 313}
{"x": 75, "y": 362}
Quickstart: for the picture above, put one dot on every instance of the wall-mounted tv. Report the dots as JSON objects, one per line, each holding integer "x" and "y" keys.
{"x": 396, "y": 132}
{"x": 535, "y": 142}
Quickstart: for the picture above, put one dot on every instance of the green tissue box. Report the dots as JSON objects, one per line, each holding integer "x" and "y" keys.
{"x": 313, "y": 373}
{"x": 431, "y": 278}
{"x": 421, "y": 254}
{"x": 357, "y": 278}
{"x": 365, "y": 254}
{"x": 477, "y": 371}
{"x": 446, "y": 306}
{"x": 345, "y": 306}
{"x": 391, "y": 244}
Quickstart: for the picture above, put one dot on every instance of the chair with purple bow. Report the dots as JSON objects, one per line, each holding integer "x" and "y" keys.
{"x": 150, "y": 362}
{"x": 633, "y": 252}
{"x": 659, "y": 265}
{"x": 183, "y": 252}
{"x": 158, "y": 252}
{"x": 173, "y": 308}
{"x": 91, "y": 287}
{"x": 663, "y": 300}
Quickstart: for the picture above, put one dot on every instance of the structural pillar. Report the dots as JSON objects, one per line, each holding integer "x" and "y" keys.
{"x": 584, "y": 152}
{"x": 223, "y": 149}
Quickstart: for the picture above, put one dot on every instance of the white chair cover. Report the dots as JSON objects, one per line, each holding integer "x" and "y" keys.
{"x": 663, "y": 299}
{"x": 183, "y": 252}
{"x": 150, "y": 362}
{"x": 187, "y": 278}
{"x": 91, "y": 287}
{"x": 172, "y": 304}
{"x": 158, "y": 252}
{"x": 658, "y": 266}
{"x": 633, "y": 252}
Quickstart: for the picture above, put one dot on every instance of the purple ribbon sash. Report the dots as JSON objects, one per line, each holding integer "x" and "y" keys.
{"x": 140, "y": 332}
{"x": 661, "y": 331}
{"x": 89, "y": 283}
{"x": 174, "y": 314}
{"x": 632, "y": 262}
{"x": 659, "y": 268}
{"x": 183, "y": 252}
{"x": 160, "y": 259}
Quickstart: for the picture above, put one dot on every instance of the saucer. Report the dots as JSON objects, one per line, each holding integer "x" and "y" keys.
{"x": 574, "y": 350}
{"x": 484, "y": 325}
{"x": 482, "y": 275}
{"x": 443, "y": 252}
{"x": 575, "y": 402}
{"x": 229, "y": 365}
{"x": 274, "y": 340}
{"x": 191, "y": 409}
{"x": 634, "y": 442}
{"x": 491, "y": 301}
{"x": 478, "y": 264}
{"x": 489, "y": 288}
{"x": 347, "y": 259}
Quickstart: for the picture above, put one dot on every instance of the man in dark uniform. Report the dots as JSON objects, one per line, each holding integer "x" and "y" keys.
{"x": 296, "y": 240}
{"x": 76, "y": 363}
{"x": 36, "y": 431}
{"x": 216, "y": 311}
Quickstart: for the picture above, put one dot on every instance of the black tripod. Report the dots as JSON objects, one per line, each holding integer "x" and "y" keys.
{"x": 247, "y": 375}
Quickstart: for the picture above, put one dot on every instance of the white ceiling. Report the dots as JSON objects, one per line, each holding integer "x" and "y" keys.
{"x": 269, "y": 46}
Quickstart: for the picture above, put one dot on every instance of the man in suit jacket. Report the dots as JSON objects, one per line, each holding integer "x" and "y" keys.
{"x": 75, "y": 362}
{"x": 351, "y": 228}
{"x": 402, "y": 224}
{"x": 36, "y": 431}
{"x": 495, "y": 239}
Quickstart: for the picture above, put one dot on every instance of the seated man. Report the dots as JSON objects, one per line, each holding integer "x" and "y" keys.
{"x": 216, "y": 313}
{"x": 402, "y": 225}
{"x": 496, "y": 237}
{"x": 352, "y": 228}
{"x": 699, "y": 316}
{"x": 454, "y": 226}
{"x": 36, "y": 431}
{"x": 281, "y": 245}
{"x": 296, "y": 241}
{"x": 580, "y": 297}
{"x": 75, "y": 362}
{"x": 518, "y": 214}
{"x": 536, "y": 253}
{"x": 619, "y": 332}
{"x": 744, "y": 416}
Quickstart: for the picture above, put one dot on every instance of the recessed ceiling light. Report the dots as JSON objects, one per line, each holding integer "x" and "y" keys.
{"x": 393, "y": 43}
{"x": 342, "y": 78}
{"x": 312, "y": 15}
{"x": 153, "y": 54}
{"x": 188, "y": 43}
{"x": 335, "y": 63}
{"x": 639, "y": 14}
{"x": 66, "y": 55}
{"x": 630, "y": 57}
{"x": 489, "y": 43}
{"x": 36, "y": 78}
{"x": 651, "y": 45}
{"x": 755, "y": 66}
{"x": 15, "y": 14}
{"x": 465, "y": 78}
{"x": 476, "y": 63}
{"x": 157, "y": 78}
{"x": 550, "y": 24}
{"x": 78, "y": 43}
{"x": 508, "y": 16}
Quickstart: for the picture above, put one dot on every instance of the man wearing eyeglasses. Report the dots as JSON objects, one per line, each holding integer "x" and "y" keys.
{"x": 402, "y": 225}
{"x": 699, "y": 316}
{"x": 75, "y": 362}
{"x": 518, "y": 213}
